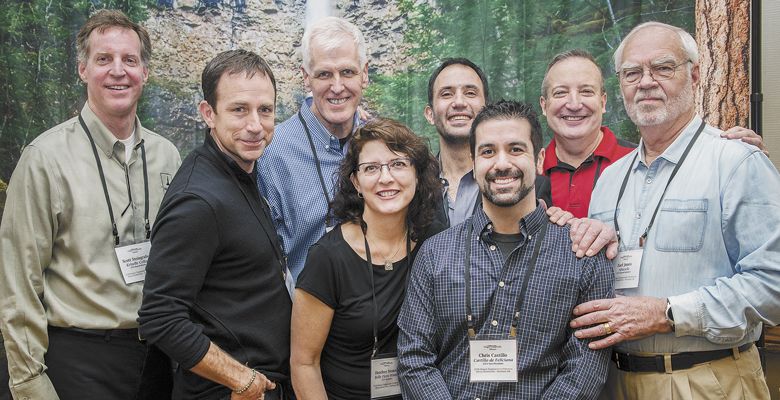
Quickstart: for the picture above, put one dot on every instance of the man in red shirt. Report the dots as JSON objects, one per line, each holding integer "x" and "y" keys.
{"x": 574, "y": 101}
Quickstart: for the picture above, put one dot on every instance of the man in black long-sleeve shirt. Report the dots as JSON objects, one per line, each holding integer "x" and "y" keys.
{"x": 215, "y": 299}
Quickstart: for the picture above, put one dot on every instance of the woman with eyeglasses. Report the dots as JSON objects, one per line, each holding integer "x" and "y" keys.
{"x": 352, "y": 286}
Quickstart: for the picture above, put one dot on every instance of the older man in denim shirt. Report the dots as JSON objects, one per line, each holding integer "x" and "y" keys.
{"x": 697, "y": 219}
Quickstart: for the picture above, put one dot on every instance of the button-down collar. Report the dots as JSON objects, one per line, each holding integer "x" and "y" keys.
{"x": 104, "y": 139}
{"x": 319, "y": 133}
{"x": 673, "y": 153}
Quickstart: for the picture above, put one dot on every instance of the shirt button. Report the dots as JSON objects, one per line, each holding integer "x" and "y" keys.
{"x": 638, "y": 215}
{"x": 327, "y": 147}
{"x": 492, "y": 247}
{"x": 649, "y": 181}
{"x": 501, "y": 284}
{"x": 494, "y": 323}
{"x": 477, "y": 398}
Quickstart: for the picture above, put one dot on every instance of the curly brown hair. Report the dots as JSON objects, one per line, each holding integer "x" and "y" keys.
{"x": 348, "y": 206}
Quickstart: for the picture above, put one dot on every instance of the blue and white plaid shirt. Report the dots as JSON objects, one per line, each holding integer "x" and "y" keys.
{"x": 433, "y": 342}
{"x": 287, "y": 177}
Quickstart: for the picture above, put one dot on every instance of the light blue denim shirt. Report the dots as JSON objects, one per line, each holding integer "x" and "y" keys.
{"x": 287, "y": 177}
{"x": 714, "y": 249}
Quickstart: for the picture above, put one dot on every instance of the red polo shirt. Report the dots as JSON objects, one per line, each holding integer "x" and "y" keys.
{"x": 572, "y": 187}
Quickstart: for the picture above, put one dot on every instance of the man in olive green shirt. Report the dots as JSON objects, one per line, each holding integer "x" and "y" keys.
{"x": 83, "y": 197}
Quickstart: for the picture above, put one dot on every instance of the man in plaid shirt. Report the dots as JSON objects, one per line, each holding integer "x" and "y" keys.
{"x": 489, "y": 301}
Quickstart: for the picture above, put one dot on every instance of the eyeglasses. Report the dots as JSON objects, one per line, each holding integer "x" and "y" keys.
{"x": 398, "y": 165}
{"x": 659, "y": 72}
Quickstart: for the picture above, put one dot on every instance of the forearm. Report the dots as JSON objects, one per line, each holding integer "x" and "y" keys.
{"x": 25, "y": 251}
{"x": 422, "y": 381}
{"x": 307, "y": 381}
{"x": 217, "y": 366}
{"x": 583, "y": 374}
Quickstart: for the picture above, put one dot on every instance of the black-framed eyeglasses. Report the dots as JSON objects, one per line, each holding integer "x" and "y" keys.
{"x": 659, "y": 72}
{"x": 398, "y": 165}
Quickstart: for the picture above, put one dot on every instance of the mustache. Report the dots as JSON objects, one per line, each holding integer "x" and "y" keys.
{"x": 642, "y": 94}
{"x": 507, "y": 173}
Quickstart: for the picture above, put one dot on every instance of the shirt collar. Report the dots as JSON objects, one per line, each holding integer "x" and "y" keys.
{"x": 606, "y": 149}
{"x": 318, "y": 131}
{"x": 529, "y": 224}
{"x": 104, "y": 139}
{"x": 228, "y": 163}
{"x": 608, "y": 145}
{"x": 676, "y": 149}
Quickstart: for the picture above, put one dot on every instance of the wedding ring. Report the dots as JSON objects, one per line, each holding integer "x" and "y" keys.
{"x": 607, "y": 329}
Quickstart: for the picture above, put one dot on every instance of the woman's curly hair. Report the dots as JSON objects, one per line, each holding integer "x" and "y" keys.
{"x": 348, "y": 206}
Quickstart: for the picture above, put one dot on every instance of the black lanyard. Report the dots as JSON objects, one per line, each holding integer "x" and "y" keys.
{"x": 316, "y": 159}
{"x": 114, "y": 230}
{"x": 526, "y": 278}
{"x": 375, "y": 320}
{"x": 661, "y": 200}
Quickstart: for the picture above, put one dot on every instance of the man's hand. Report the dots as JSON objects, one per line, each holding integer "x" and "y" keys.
{"x": 588, "y": 236}
{"x": 559, "y": 216}
{"x": 256, "y": 390}
{"x": 747, "y": 136}
{"x": 619, "y": 319}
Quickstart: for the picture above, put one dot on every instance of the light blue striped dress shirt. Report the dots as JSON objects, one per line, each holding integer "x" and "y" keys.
{"x": 287, "y": 177}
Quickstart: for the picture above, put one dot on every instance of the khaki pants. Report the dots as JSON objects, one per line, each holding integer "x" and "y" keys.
{"x": 736, "y": 377}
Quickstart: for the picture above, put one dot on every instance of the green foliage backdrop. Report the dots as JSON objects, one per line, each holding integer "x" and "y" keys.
{"x": 512, "y": 40}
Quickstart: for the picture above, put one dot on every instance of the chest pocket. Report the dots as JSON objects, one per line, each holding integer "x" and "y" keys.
{"x": 680, "y": 225}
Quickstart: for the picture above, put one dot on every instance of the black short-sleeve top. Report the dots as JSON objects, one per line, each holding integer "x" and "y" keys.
{"x": 338, "y": 277}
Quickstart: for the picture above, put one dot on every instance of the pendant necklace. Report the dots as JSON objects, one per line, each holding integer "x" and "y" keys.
{"x": 389, "y": 260}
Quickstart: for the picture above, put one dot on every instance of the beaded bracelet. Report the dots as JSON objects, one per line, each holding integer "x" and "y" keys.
{"x": 248, "y": 385}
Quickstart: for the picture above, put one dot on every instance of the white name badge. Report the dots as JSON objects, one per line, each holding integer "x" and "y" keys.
{"x": 384, "y": 377}
{"x": 132, "y": 261}
{"x": 493, "y": 360}
{"x": 626, "y": 266}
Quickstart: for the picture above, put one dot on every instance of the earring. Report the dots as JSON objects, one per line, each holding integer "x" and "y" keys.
{"x": 360, "y": 195}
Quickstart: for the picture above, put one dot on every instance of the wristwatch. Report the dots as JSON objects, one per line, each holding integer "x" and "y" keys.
{"x": 669, "y": 315}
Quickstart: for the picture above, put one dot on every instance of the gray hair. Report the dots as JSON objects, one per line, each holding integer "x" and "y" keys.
{"x": 330, "y": 33}
{"x": 688, "y": 42}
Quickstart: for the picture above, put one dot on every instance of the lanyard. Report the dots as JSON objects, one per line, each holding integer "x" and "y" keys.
{"x": 373, "y": 288}
{"x": 526, "y": 277}
{"x": 657, "y": 207}
{"x": 316, "y": 159}
{"x": 114, "y": 230}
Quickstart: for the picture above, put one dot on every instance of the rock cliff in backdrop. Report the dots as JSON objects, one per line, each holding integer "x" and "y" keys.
{"x": 189, "y": 33}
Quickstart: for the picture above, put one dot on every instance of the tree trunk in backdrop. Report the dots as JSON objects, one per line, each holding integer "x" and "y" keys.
{"x": 723, "y": 35}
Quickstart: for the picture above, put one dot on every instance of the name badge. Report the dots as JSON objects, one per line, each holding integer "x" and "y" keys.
{"x": 493, "y": 360}
{"x": 626, "y": 266}
{"x": 132, "y": 261}
{"x": 384, "y": 377}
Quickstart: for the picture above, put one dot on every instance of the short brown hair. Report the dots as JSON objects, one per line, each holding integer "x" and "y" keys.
{"x": 105, "y": 19}
{"x": 232, "y": 62}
